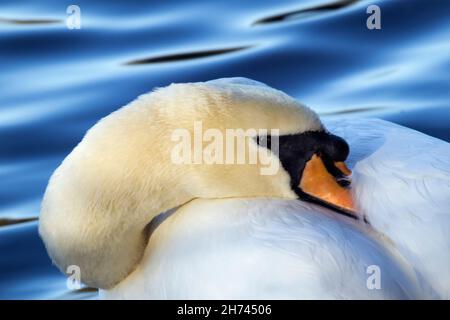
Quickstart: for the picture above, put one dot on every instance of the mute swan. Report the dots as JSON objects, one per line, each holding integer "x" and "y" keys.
{"x": 99, "y": 201}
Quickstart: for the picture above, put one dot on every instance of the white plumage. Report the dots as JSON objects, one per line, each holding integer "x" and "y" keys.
{"x": 261, "y": 248}
{"x": 401, "y": 182}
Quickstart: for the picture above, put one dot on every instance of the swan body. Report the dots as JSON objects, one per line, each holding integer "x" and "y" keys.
{"x": 263, "y": 249}
{"x": 286, "y": 249}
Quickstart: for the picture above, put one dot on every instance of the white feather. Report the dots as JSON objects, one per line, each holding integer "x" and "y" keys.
{"x": 263, "y": 249}
{"x": 401, "y": 182}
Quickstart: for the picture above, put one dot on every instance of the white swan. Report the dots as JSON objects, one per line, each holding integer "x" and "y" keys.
{"x": 121, "y": 176}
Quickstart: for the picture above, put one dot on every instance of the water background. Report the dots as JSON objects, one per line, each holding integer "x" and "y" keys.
{"x": 55, "y": 83}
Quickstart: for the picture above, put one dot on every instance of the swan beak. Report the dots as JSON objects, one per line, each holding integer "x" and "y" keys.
{"x": 322, "y": 187}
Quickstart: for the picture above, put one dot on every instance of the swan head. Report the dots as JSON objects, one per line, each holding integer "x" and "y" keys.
{"x": 171, "y": 146}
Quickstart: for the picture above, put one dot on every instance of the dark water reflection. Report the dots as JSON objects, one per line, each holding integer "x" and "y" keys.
{"x": 55, "y": 83}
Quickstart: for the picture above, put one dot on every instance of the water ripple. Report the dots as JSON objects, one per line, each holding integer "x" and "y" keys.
{"x": 305, "y": 12}
{"x": 10, "y": 221}
{"x": 185, "y": 56}
{"x": 29, "y": 21}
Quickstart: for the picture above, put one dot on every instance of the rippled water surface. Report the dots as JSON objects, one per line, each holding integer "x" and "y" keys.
{"x": 55, "y": 83}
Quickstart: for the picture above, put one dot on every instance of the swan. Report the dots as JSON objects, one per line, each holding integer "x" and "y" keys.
{"x": 233, "y": 232}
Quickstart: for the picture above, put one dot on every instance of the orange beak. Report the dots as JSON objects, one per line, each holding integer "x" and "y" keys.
{"x": 323, "y": 187}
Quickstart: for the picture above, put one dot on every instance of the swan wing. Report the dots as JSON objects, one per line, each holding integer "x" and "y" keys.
{"x": 401, "y": 182}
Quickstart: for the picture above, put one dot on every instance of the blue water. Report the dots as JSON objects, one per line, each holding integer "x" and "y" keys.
{"x": 55, "y": 83}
